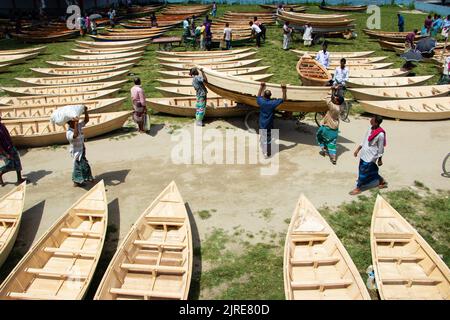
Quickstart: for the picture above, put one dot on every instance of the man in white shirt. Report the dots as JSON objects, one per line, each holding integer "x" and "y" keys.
{"x": 256, "y": 31}
{"x": 341, "y": 75}
{"x": 287, "y": 31}
{"x": 372, "y": 150}
{"x": 227, "y": 35}
{"x": 324, "y": 56}
{"x": 307, "y": 35}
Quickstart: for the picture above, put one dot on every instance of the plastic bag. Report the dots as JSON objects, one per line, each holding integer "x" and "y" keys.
{"x": 63, "y": 115}
{"x": 146, "y": 122}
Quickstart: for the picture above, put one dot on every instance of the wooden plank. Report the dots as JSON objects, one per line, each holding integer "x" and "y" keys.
{"x": 55, "y": 274}
{"x": 153, "y": 244}
{"x": 71, "y": 252}
{"x": 146, "y": 293}
{"x": 150, "y": 268}
{"x": 325, "y": 284}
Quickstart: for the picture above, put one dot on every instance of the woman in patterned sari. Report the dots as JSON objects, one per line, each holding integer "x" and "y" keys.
{"x": 198, "y": 82}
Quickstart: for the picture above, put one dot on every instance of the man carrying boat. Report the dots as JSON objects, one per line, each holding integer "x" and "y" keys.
{"x": 328, "y": 132}
{"x": 323, "y": 56}
{"x": 267, "y": 108}
{"x": 10, "y": 155}
{"x": 198, "y": 82}
{"x": 372, "y": 150}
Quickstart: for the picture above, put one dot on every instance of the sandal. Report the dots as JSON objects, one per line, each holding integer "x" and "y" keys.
{"x": 354, "y": 192}
{"x": 382, "y": 185}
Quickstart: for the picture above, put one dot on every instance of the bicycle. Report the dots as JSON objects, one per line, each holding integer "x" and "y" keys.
{"x": 446, "y": 166}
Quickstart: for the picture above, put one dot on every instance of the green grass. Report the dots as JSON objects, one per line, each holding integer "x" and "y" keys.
{"x": 240, "y": 270}
{"x": 282, "y": 63}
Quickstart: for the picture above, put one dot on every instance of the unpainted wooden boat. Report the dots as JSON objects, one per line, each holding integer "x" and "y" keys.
{"x": 273, "y": 7}
{"x": 61, "y": 264}
{"x": 155, "y": 259}
{"x": 22, "y": 51}
{"x": 43, "y": 38}
{"x": 199, "y": 60}
{"x": 361, "y": 8}
{"x": 17, "y": 58}
{"x": 109, "y": 50}
{"x": 299, "y": 98}
{"x": 411, "y": 109}
{"x": 391, "y": 46}
{"x": 316, "y": 265}
{"x": 389, "y": 36}
{"x": 182, "y": 91}
{"x": 392, "y": 93}
{"x": 377, "y": 73}
{"x": 62, "y": 89}
{"x": 218, "y": 65}
{"x": 311, "y": 72}
{"x": 4, "y": 67}
{"x": 315, "y": 21}
{"x": 39, "y": 132}
{"x": 405, "y": 265}
{"x": 228, "y": 71}
{"x": 336, "y": 54}
{"x": 186, "y": 106}
{"x": 361, "y": 66}
{"x": 94, "y": 63}
{"x": 18, "y": 111}
{"x": 77, "y": 71}
{"x": 171, "y": 82}
{"x": 115, "y": 44}
{"x": 103, "y": 56}
{"x": 11, "y": 209}
{"x": 124, "y": 37}
{"x": 46, "y": 81}
{"x": 387, "y": 82}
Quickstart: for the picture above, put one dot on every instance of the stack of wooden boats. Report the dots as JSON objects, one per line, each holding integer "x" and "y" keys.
{"x": 361, "y": 8}
{"x": 245, "y": 17}
{"x": 326, "y": 24}
{"x": 43, "y": 34}
{"x": 136, "y": 11}
{"x": 92, "y": 78}
{"x": 396, "y": 37}
{"x": 191, "y": 10}
{"x": 176, "y": 84}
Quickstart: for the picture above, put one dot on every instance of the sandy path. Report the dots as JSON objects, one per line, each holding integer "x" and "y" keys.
{"x": 136, "y": 169}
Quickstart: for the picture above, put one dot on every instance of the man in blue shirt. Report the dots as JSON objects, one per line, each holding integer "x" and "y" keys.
{"x": 267, "y": 108}
{"x": 401, "y": 23}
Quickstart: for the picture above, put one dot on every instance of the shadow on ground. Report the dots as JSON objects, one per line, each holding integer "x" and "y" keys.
{"x": 194, "y": 291}
{"x": 113, "y": 178}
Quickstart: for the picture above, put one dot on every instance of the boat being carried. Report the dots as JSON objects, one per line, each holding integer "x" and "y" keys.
{"x": 316, "y": 265}
{"x": 155, "y": 259}
{"x": 11, "y": 209}
{"x": 61, "y": 264}
{"x": 410, "y": 109}
{"x": 405, "y": 265}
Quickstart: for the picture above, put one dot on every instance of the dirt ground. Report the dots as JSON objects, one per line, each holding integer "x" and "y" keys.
{"x": 137, "y": 167}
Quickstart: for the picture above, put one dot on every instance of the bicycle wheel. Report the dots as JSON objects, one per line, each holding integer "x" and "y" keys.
{"x": 252, "y": 121}
{"x": 345, "y": 110}
{"x": 446, "y": 166}
{"x": 318, "y": 117}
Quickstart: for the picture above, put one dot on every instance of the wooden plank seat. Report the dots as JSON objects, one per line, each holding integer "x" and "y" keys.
{"x": 8, "y": 216}
{"x": 409, "y": 258}
{"x": 100, "y": 214}
{"x": 153, "y": 268}
{"x": 56, "y": 274}
{"x": 388, "y": 235}
{"x": 76, "y": 232}
{"x": 147, "y": 293}
{"x": 308, "y": 239}
{"x": 154, "y": 258}
{"x": 338, "y": 283}
{"x": 5, "y": 221}
{"x": 71, "y": 252}
{"x": 35, "y": 296}
{"x": 314, "y": 261}
{"x": 164, "y": 245}
{"x": 410, "y": 282}
{"x": 152, "y": 221}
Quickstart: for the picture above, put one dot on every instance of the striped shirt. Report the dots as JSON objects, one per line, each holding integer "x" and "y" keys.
{"x": 372, "y": 150}
{"x": 76, "y": 144}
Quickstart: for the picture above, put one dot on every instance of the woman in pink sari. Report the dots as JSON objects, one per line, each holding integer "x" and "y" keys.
{"x": 138, "y": 100}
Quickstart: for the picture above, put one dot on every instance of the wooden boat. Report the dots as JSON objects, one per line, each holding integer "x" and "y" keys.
{"x": 17, "y": 111}
{"x": 218, "y": 65}
{"x": 94, "y": 63}
{"x": 273, "y": 7}
{"x": 152, "y": 30}
{"x": 228, "y": 71}
{"x": 387, "y": 93}
{"x": 109, "y": 50}
{"x": 155, "y": 259}
{"x": 361, "y": 66}
{"x": 202, "y": 54}
{"x": 4, "y": 67}
{"x": 336, "y": 54}
{"x": 171, "y": 82}
{"x": 103, "y": 56}
{"x": 77, "y": 71}
{"x": 115, "y": 44}
{"x": 315, "y": 21}
{"x": 39, "y": 132}
{"x": 299, "y": 98}
{"x": 11, "y": 208}
{"x": 61, "y": 264}
{"x": 17, "y": 58}
{"x": 46, "y": 81}
{"x": 361, "y": 8}
{"x": 316, "y": 265}
{"x": 182, "y": 91}
{"x": 217, "y": 107}
{"x": 387, "y": 82}
{"x": 22, "y": 51}
{"x": 405, "y": 265}
{"x": 62, "y": 89}
{"x": 377, "y": 73}
{"x": 200, "y": 60}
{"x": 124, "y": 37}
{"x": 411, "y": 109}
{"x": 390, "y": 46}
{"x": 43, "y": 38}
{"x": 389, "y": 36}
{"x": 311, "y": 72}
